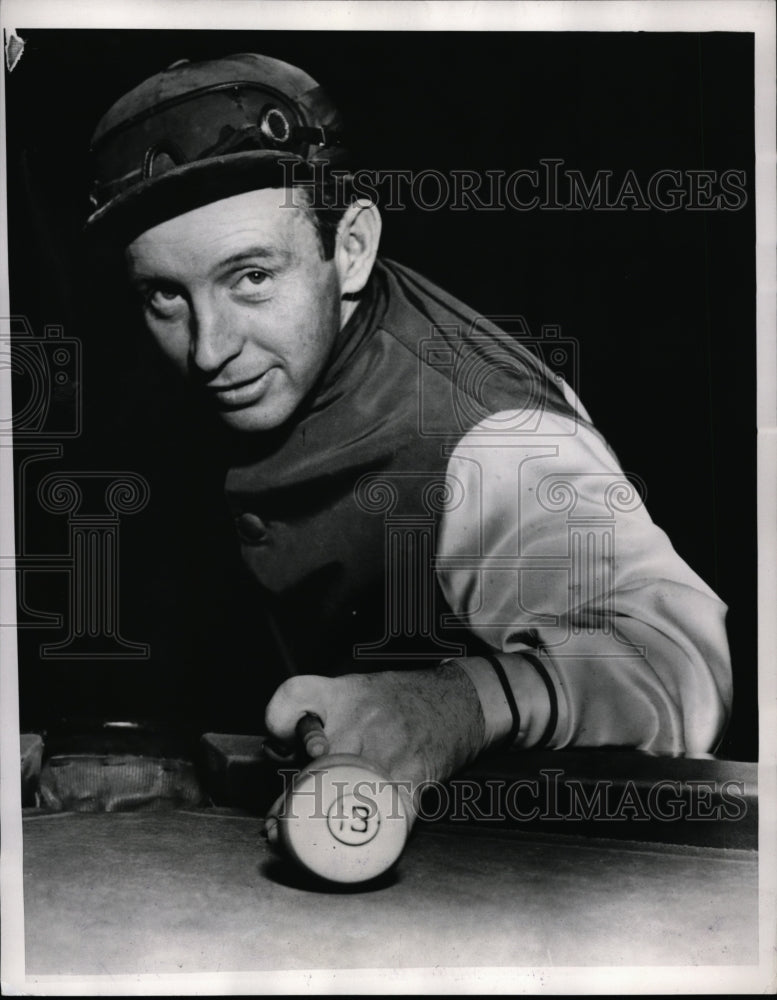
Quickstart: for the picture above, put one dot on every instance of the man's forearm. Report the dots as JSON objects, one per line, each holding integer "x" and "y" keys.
{"x": 596, "y": 691}
{"x": 607, "y": 637}
{"x": 531, "y": 697}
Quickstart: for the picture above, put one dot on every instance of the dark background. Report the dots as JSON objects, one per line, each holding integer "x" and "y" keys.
{"x": 662, "y": 306}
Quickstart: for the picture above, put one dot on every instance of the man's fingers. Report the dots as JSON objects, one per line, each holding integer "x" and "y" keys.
{"x": 316, "y": 744}
{"x": 310, "y": 730}
{"x": 295, "y": 698}
{"x": 271, "y": 820}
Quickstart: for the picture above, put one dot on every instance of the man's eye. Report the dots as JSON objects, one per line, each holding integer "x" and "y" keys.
{"x": 164, "y": 301}
{"x": 251, "y": 281}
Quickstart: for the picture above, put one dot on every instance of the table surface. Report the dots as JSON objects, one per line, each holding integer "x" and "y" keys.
{"x": 200, "y": 890}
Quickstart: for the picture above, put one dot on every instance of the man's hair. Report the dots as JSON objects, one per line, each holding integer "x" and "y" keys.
{"x": 325, "y": 204}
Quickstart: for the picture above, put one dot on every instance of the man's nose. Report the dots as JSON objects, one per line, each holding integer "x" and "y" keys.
{"x": 214, "y": 339}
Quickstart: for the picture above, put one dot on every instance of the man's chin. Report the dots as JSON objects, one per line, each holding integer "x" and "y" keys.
{"x": 254, "y": 419}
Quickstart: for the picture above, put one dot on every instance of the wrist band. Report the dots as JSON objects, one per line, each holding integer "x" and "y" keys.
{"x": 550, "y": 728}
{"x": 508, "y": 691}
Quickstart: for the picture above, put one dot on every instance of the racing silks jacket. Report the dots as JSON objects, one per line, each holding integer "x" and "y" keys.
{"x": 443, "y": 493}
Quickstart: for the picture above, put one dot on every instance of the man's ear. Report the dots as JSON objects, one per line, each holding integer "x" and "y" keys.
{"x": 358, "y": 236}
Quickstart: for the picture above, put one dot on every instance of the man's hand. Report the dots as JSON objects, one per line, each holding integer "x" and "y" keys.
{"x": 417, "y": 725}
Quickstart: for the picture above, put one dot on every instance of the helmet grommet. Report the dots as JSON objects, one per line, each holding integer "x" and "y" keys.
{"x": 274, "y": 125}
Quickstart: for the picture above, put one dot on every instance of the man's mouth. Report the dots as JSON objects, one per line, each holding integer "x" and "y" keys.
{"x": 234, "y": 395}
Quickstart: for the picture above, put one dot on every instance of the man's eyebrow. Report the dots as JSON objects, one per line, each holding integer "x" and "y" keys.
{"x": 140, "y": 279}
{"x": 277, "y": 255}
{"x": 252, "y": 253}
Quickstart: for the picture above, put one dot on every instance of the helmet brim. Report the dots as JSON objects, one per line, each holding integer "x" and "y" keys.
{"x": 188, "y": 187}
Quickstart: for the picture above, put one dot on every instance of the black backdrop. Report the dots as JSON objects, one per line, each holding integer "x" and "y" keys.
{"x": 662, "y": 305}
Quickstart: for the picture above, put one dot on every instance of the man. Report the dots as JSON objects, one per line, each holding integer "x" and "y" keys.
{"x": 448, "y": 552}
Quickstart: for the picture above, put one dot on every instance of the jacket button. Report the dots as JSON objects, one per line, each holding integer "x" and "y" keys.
{"x": 250, "y": 528}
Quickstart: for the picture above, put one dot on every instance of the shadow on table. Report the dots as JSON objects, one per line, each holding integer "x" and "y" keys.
{"x": 284, "y": 872}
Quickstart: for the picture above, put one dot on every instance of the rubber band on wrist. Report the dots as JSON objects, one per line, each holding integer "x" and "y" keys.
{"x": 509, "y": 695}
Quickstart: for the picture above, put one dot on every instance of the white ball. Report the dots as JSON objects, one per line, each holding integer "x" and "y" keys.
{"x": 343, "y": 820}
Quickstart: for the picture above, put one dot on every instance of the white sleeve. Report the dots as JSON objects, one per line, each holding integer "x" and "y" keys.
{"x": 606, "y": 636}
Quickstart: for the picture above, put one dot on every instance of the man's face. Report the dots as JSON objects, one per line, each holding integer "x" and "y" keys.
{"x": 237, "y": 296}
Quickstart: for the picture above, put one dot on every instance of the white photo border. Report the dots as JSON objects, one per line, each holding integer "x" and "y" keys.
{"x": 756, "y": 16}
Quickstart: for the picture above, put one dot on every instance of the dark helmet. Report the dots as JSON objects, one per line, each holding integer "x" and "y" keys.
{"x": 199, "y": 132}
